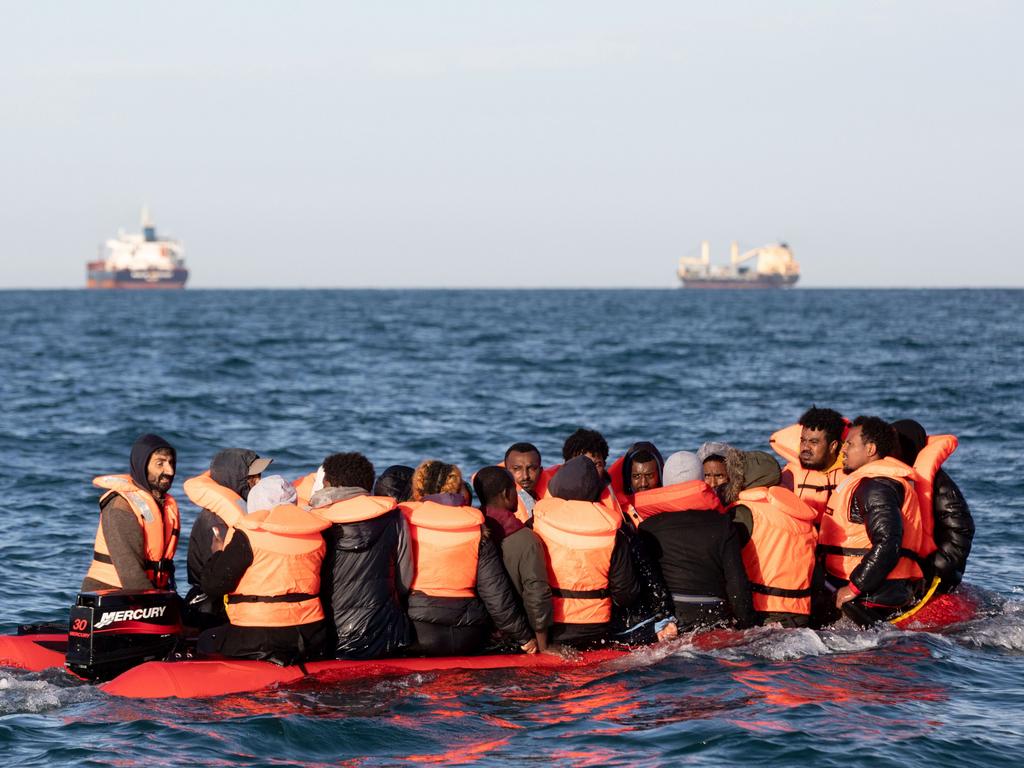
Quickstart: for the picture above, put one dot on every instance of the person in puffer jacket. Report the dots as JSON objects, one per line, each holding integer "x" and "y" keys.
{"x": 368, "y": 567}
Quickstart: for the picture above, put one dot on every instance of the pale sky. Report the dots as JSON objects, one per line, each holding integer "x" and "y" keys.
{"x": 514, "y": 144}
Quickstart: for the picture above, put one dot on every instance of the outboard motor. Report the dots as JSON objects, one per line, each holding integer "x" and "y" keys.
{"x": 110, "y": 632}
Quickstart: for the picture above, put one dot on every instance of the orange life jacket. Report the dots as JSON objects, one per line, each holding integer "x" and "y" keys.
{"x": 282, "y": 586}
{"x": 205, "y": 493}
{"x": 607, "y": 500}
{"x": 927, "y": 464}
{"x": 445, "y": 547}
{"x": 355, "y": 510}
{"x": 578, "y": 539}
{"x": 779, "y": 558}
{"x": 813, "y": 486}
{"x": 160, "y": 531}
{"x": 304, "y": 488}
{"x": 680, "y": 497}
{"x": 845, "y": 542}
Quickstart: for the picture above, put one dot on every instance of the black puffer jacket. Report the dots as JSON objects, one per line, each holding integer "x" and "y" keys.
{"x": 954, "y": 524}
{"x": 364, "y": 582}
{"x": 876, "y": 503}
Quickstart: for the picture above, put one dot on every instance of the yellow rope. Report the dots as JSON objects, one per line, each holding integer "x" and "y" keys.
{"x": 920, "y": 603}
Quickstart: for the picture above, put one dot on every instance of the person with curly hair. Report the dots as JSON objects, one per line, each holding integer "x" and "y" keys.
{"x": 459, "y": 585}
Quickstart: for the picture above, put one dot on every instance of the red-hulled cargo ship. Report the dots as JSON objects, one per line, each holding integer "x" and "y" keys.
{"x": 139, "y": 260}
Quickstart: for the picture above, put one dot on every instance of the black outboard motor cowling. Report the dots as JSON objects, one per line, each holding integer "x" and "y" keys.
{"x": 110, "y": 632}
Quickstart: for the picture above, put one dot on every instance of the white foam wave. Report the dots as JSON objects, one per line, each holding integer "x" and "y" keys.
{"x": 39, "y": 692}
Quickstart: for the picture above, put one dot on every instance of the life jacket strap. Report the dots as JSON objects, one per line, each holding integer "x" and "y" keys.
{"x": 291, "y": 597}
{"x": 813, "y": 487}
{"x": 581, "y": 594}
{"x": 762, "y": 589}
{"x": 831, "y": 549}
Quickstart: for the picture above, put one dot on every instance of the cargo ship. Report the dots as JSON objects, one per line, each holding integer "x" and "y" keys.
{"x": 775, "y": 268}
{"x": 138, "y": 260}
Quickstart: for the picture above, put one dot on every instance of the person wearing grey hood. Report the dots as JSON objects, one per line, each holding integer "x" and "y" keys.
{"x": 233, "y": 472}
{"x": 368, "y": 568}
{"x": 696, "y": 548}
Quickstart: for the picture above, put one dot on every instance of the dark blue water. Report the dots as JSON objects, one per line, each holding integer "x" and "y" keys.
{"x": 404, "y": 376}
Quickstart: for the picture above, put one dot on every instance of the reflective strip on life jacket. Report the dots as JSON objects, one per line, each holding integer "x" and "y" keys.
{"x": 205, "y": 493}
{"x": 282, "y": 586}
{"x": 779, "y": 558}
{"x": 355, "y": 510}
{"x": 844, "y": 542}
{"x": 578, "y": 539}
{"x": 161, "y": 529}
{"x": 445, "y": 547}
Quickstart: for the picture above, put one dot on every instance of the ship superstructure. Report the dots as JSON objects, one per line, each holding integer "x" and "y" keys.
{"x": 139, "y": 260}
{"x": 775, "y": 268}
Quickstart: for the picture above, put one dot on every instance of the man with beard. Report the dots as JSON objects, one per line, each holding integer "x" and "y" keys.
{"x": 812, "y": 449}
{"x": 139, "y": 526}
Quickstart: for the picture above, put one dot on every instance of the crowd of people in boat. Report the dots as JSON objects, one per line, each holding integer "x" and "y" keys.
{"x": 861, "y": 521}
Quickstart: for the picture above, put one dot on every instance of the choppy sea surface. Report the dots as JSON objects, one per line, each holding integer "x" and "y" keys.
{"x": 459, "y": 375}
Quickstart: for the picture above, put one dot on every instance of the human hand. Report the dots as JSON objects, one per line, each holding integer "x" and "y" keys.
{"x": 844, "y": 595}
{"x": 530, "y": 647}
{"x": 670, "y": 632}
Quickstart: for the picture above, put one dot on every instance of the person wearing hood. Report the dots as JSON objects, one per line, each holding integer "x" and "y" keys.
{"x": 139, "y": 526}
{"x": 459, "y": 585}
{"x": 777, "y": 538}
{"x": 589, "y": 443}
{"x": 589, "y": 564}
{"x": 723, "y": 469}
{"x": 521, "y": 551}
{"x": 268, "y": 576}
{"x": 696, "y": 548}
{"x": 221, "y": 494}
{"x": 368, "y": 566}
{"x": 650, "y": 619}
{"x": 953, "y": 525}
{"x": 396, "y": 482}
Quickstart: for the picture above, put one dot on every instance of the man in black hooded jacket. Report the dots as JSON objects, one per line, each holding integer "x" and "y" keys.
{"x": 152, "y": 467}
{"x": 954, "y": 525}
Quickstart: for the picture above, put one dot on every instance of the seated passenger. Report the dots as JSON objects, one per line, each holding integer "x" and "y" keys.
{"x": 723, "y": 469}
{"x": 138, "y": 528}
{"x": 521, "y": 550}
{"x": 460, "y": 585}
{"x": 368, "y": 566}
{"x": 696, "y": 548}
{"x": 269, "y": 569}
{"x": 220, "y": 493}
{"x": 811, "y": 448}
{"x": 524, "y": 462}
{"x": 589, "y": 564}
{"x": 952, "y": 523}
{"x": 650, "y": 619}
{"x": 777, "y": 538}
{"x": 396, "y": 482}
{"x": 872, "y": 533}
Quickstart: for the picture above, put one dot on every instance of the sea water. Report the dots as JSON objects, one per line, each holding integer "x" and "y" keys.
{"x": 459, "y": 375}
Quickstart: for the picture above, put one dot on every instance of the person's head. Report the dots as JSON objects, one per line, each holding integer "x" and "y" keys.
{"x": 238, "y": 469}
{"x": 348, "y": 470}
{"x": 716, "y": 473}
{"x": 396, "y": 482}
{"x": 271, "y": 491}
{"x": 869, "y": 439}
{"x": 523, "y": 461}
{"x": 683, "y": 467}
{"x": 496, "y": 488}
{"x": 153, "y": 463}
{"x": 433, "y": 477}
{"x": 760, "y": 470}
{"x": 589, "y": 443}
{"x": 821, "y": 437}
{"x": 912, "y": 438}
{"x": 577, "y": 480}
{"x": 643, "y": 472}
